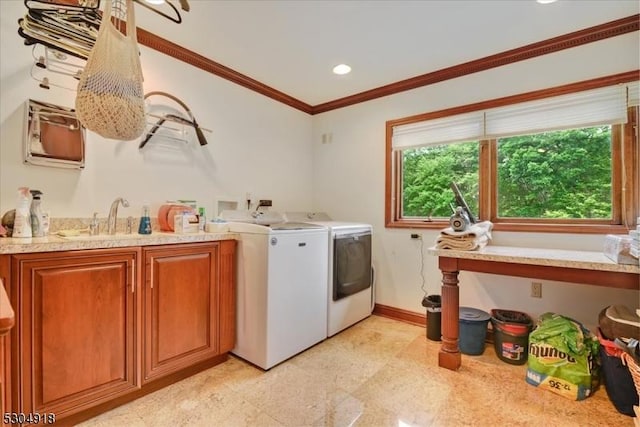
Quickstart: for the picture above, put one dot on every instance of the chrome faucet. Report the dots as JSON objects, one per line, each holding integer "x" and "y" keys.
{"x": 113, "y": 214}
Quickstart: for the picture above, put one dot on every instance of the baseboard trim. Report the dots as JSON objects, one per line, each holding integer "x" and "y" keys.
{"x": 400, "y": 314}
{"x": 412, "y": 317}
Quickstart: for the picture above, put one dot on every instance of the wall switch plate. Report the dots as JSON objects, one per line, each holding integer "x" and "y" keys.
{"x": 536, "y": 290}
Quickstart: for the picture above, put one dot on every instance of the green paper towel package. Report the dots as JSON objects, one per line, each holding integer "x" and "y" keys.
{"x": 563, "y": 357}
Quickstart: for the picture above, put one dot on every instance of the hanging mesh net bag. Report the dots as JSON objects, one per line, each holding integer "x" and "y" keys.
{"x": 110, "y": 98}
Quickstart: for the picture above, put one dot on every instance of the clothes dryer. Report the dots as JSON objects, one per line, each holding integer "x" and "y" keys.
{"x": 350, "y": 284}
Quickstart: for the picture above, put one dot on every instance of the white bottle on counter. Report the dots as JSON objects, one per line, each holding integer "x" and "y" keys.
{"x": 46, "y": 220}
{"x": 22, "y": 223}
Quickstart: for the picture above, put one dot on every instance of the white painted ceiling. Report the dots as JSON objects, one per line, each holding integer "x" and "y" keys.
{"x": 293, "y": 45}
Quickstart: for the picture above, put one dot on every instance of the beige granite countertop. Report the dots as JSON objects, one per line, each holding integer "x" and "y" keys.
{"x": 588, "y": 260}
{"x": 52, "y": 243}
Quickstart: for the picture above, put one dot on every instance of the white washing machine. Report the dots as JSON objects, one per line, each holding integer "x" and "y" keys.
{"x": 281, "y": 287}
{"x": 350, "y": 287}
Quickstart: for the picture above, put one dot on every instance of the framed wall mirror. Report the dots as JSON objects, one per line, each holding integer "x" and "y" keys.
{"x": 53, "y": 136}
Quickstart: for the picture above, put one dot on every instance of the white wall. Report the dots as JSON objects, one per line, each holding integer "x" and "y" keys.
{"x": 273, "y": 151}
{"x": 257, "y": 145}
{"x": 349, "y": 184}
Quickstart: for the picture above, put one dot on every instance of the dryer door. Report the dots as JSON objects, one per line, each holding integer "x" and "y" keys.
{"x": 351, "y": 264}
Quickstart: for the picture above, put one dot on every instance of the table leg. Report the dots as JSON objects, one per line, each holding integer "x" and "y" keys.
{"x": 449, "y": 355}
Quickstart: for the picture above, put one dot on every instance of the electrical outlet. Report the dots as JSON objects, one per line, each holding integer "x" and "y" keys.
{"x": 416, "y": 236}
{"x": 327, "y": 138}
{"x": 536, "y": 290}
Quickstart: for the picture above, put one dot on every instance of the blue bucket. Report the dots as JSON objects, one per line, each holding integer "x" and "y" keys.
{"x": 473, "y": 330}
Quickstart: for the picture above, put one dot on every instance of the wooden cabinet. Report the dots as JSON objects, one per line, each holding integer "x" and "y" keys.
{"x": 181, "y": 299}
{"x": 7, "y": 320}
{"x": 76, "y": 331}
{"x": 96, "y": 328}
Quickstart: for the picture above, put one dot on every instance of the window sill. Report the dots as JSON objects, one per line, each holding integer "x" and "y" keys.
{"x": 519, "y": 227}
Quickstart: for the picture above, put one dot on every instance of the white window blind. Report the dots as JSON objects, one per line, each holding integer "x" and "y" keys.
{"x": 606, "y": 105}
{"x": 633, "y": 94}
{"x": 459, "y": 128}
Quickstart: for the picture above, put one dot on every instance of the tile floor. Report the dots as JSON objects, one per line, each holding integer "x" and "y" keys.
{"x": 380, "y": 372}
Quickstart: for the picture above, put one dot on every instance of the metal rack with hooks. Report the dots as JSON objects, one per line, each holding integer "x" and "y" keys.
{"x": 68, "y": 29}
{"x": 53, "y": 136}
{"x": 162, "y": 127}
{"x": 51, "y": 68}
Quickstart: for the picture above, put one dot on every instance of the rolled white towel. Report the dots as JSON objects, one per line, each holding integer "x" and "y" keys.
{"x": 465, "y": 244}
{"x": 474, "y": 237}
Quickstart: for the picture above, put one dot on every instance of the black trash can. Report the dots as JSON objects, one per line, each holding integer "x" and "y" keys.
{"x": 433, "y": 303}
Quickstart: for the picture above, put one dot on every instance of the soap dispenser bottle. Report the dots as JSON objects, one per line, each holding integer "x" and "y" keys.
{"x": 37, "y": 227}
{"x": 22, "y": 221}
{"x": 145, "y": 222}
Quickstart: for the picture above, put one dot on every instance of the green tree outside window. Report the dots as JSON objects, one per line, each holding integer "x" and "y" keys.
{"x": 427, "y": 176}
{"x": 562, "y": 174}
{"x": 559, "y": 174}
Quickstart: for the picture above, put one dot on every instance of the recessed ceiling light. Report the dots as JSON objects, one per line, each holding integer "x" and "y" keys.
{"x": 341, "y": 69}
{"x": 546, "y": 1}
{"x": 155, "y": 1}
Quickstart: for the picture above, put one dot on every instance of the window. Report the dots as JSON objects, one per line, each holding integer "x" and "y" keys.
{"x": 566, "y": 160}
{"x": 427, "y": 173}
{"x": 544, "y": 175}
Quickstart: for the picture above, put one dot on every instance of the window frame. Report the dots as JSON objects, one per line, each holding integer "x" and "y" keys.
{"x": 625, "y": 163}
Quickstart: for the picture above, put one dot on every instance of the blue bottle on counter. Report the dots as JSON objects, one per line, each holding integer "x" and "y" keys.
{"x": 145, "y": 221}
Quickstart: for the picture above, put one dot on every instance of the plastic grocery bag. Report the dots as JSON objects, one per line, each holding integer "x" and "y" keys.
{"x": 563, "y": 357}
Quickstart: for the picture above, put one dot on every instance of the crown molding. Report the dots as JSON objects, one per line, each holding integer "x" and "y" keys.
{"x": 545, "y": 47}
{"x": 176, "y": 51}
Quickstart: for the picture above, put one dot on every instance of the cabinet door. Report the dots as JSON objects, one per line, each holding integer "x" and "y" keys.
{"x": 76, "y": 337}
{"x": 180, "y": 307}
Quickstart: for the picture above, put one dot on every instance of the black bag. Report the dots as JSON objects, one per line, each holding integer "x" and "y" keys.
{"x": 618, "y": 383}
